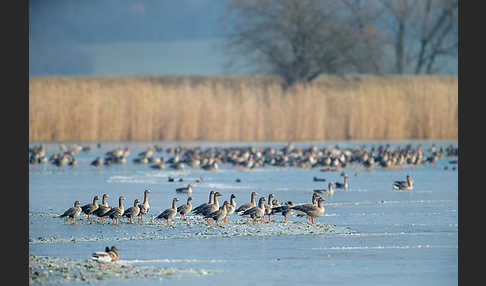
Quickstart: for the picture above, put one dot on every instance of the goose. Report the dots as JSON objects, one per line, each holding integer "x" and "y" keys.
{"x": 144, "y": 207}
{"x": 116, "y": 212}
{"x": 90, "y": 208}
{"x": 102, "y": 209}
{"x": 72, "y": 212}
{"x": 185, "y": 209}
{"x": 268, "y": 208}
{"x": 132, "y": 212}
{"x": 211, "y": 207}
{"x": 97, "y": 162}
{"x": 329, "y": 191}
{"x": 310, "y": 211}
{"x": 404, "y": 185}
{"x": 247, "y": 206}
{"x": 256, "y": 212}
{"x": 344, "y": 185}
{"x": 285, "y": 210}
{"x": 230, "y": 208}
{"x": 185, "y": 190}
{"x": 169, "y": 214}
{"x": 219, "y": 214}
{"x": 211, "y": 200}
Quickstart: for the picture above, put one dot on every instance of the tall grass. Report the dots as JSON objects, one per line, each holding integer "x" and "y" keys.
{"x": 242, "y": 108}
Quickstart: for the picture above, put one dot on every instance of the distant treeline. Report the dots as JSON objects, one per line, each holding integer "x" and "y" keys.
{"x": 242, "y": 108}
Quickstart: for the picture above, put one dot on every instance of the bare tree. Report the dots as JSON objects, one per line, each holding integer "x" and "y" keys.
{"x": 301, "y": 39}
{"x": 423, "y": 31}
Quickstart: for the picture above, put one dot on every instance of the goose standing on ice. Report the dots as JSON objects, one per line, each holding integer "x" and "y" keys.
{"x": 72, "y": 212}
{"x": 211, "y": 207}
{"x": 230, "y": 208}
{"x": 144, "y": 207}
{"x": 268, "y": 208}
{"x": 132, "y": 212}
{"x": 311, "y": 212}
{"x": 211, "y": 200}
{"x": 102, "y": 209}
{"x": 90, "y": 208}
{"x": 185, "y": 209}
{"x": 285, "y": 210}
{"x": 219, "y": 214}
{"x": 256, "y": 212}
{"x": 170, "y": 213}
{"x": 116, "y": 212}
{"x": 247, "y": 206}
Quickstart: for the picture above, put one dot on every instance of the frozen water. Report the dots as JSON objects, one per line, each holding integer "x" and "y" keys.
{"x": 369, "y": 234}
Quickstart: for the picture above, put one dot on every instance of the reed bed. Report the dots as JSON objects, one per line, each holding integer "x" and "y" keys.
{"x": 253, "y": 108}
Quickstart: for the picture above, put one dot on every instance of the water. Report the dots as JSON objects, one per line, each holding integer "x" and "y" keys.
{"x": 369, "y": 234}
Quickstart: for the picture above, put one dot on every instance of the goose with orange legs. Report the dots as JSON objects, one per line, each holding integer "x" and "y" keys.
{"x": 90, "y": 208}
{"x": 103, "y": 208}
{"x": 268, "y": 208}
{"x": 116, "y": 212}
{"x": 241, "y": 209}
{"x": 170, "y": 213}
{"x": 230, "y": 208}
{"x": 311, "y": 212}
{"x": 219, "y": 214}
{"x": 132, "y": 212}
{"x": 210, "y": 208}
{"x": 284, "y": 210}
{"x": 256, "y": 212}
{"x": 185, "y": 209}
{"x": 72, "y": 212}
{"x": 144, "y": 207}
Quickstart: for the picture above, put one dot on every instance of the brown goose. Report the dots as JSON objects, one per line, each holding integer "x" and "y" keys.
{"x": 97, "y": 162}
{"x": 219, "y": 214}
{"x": 329, "y": 191}
{"x": 185, "y": 190}
{"x": 247, "y": 206}
{"x": 169, "y": 214}
{"x": 90, "y": 208}
{"x": 268, "y": 208}
{"x": 132, "y": 212}
{"x": 344, "y": 185}
{"x": 256, "y": 212}
{"x": 230, "y": 208}
{"x": 211, "y": 200}
{"x": 116, "y": 212}
{"x": 185, "y": 209}
{"x": 144, "y": 207}
{"x": 404, "y": 185}
{"x": 311, "y": 212}
{"x": 210, "y": 207}
{"x": 102, "y": 209}
{"x": 72, "y": 212}
{"x": 285, "y": 210}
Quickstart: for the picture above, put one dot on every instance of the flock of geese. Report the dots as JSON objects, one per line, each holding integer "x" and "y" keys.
{"x": 212, "y": 210}
{"x": 330, "y": 158}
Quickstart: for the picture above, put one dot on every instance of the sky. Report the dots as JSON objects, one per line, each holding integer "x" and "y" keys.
{"x": 130, "y": 37}
{"x": 144, "y": 37}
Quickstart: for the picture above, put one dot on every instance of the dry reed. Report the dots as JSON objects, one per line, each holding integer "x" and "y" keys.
{"x": 242, "y": 108}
